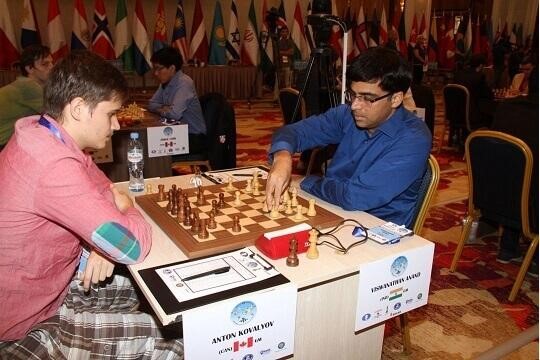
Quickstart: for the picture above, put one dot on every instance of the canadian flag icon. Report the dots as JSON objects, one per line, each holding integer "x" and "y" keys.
{"x": 238, "y": 345}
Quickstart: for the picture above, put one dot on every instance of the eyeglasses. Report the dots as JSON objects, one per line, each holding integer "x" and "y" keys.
{"x": 350, "y": 97}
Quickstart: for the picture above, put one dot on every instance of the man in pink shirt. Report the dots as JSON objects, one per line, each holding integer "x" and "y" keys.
{"x": 54, "y": 200}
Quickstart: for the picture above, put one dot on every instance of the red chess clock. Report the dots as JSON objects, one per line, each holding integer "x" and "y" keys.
{"x": 275, "y": 244}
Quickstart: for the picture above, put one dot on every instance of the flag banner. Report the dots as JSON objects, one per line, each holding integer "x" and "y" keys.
{"x": 450, "y": 44}
{"x": 10, "y": 53}
{"x": 101, "y": 36}
{"x": 141, "y": 48}
{"x": 360, "y": 35}
{"x": 29, "y": 27}
{"x": 298, "y": 36}
{"x": 179, "y": 38}
{"x": 423, "y": 30}
{"x": 199, "y": 40}
{"x": 80, "y": 36}
{"x": 310, "y": 38}
{"x": 233, "y": 39}
{"x": 335, "y": 37}
{"x": 282, "y": 19}
{"x": 217, "y": 39}
{"x": 468, "y": 35}
{"x": 432, "y": 41}
{"x": 383, "y": 29}
{"x": 55, "y": 32}
{"x": 250, "y": 45}
{"x": 160, "y": 30}
{"x": 414, "y": 32}
{"x": 352, "y": 49}
{"x": 123, "y": 46}
{"x": 374, "y": 33}
{"x": 267, "y": 47}
{"x": 403, "y": 48}
{"x": 477, "y": 46}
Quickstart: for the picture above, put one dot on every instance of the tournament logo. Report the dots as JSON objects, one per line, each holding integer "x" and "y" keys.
{"x": 168, "y": 131}
{"x": 397, "y": 305}
{"x": 399, "y": 266}
{"x": 248, "y": 357}
{"x": 366, "y": 317}
{"x": 243, "y": 313}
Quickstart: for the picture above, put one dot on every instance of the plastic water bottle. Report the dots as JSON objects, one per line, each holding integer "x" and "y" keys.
{"x": 135, "y": 163}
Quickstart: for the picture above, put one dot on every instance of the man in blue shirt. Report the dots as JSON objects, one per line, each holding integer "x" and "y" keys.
{"x": 176, "y": 97}
{"x": 383, "y": 148}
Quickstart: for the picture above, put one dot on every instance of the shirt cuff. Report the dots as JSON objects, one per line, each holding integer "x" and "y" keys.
{"x": 278, "y": 146}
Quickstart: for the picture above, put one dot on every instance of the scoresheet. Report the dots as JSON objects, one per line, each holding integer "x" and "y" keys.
{"x": 238, "y": 174}
{"x": 198, "y": 278}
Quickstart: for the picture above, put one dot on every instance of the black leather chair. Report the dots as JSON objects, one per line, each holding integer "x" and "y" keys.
{"x": 288, "y": 97}
{"x": 456, "y": 113}
{"x": 500, "y": 169}
{"x": 221, "y": 136}
{"x": 424, "y": 98}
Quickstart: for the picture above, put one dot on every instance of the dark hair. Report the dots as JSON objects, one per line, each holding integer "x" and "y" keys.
{"x": 477, "y": 60}
{"x": 31, "y": 54}
{"x": 168, "y": 56}
{"x": 86, "y": 75}
{"x": 384, "y": 65}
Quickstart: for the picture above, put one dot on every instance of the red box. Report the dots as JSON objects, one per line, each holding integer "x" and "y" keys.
{"x": 275, "y": 244}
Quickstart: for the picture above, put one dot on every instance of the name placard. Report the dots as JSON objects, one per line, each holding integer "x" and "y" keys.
{"x": 250, "y": 326}
{"x": 167, "y": 140}
{"x": 393, "y": 285}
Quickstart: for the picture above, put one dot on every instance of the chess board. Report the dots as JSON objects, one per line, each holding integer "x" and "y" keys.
{"x": 253, "y": 220}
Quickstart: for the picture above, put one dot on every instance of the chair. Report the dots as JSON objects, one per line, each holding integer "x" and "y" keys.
{"x": 221, "y": 136}
{"x": 500, "y": 169}
{"x": 424, "y": 98}
{"x": 428, "y": 187}
{"x": 456, "y": 113}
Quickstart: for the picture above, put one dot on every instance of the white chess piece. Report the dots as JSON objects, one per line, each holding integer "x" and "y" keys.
{"x": 313, "y": 252}
{"x": 274, "y": 214}
{"x": 289, "y": 209}
{"x": 230, "y": 186}
{"x": 294, "y": 200}
{"x": 248, "y": 188}
{"x": 298, "y": 215}
{"x": 286, "y": 196}
{"x": 196, "y": 180}
{"x": 237, "y": 201}
{"x": 311, "y": 210}
{"x": 256, "y": 191}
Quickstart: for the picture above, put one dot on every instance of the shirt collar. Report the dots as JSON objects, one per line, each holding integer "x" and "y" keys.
{"x": 393, "y": 124}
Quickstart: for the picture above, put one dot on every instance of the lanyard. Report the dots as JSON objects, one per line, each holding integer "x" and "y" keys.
{"x": 53, "y": 129}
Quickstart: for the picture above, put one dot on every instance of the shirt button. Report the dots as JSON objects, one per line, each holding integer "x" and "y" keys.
{"x": 107, "y": 347}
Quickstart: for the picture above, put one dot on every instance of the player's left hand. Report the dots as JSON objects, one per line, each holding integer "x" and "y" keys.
{"x": 121, "y": 199}
{"x": 98, "y": 268}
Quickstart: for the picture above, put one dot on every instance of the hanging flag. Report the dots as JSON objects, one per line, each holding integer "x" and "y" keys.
{"x": 267, "y": 47}
{"x": 352, "y": 49}
{"x": 335, "y": 38}
{"x": 160, "y": 30}
{"x": 432, "y": 41}
{"x": 477, "y": 46}
{"x": 383, "y": 29}
{"x": 9, "y": 54}
{"x": 282, "y": 19}
{"x": 233, "y": 39}
{"x": 80, "y": 36}
{"x": 310, "y": 38}
{"x": 29, "y": 27}
{"x": 414, "y": 32}
{"x": 199, "y": 41}
{"x": 123, "y": 46}
{"x": 179, "y": 37}
{"x": 374, "y": 33}
{"x": 497, "y": 35}
{"x": 360, "y": 35}
{"x": 250, "y": 45}
{"x": 450, "y": 44}
{"x": 468, "y": 35}
{"x": 403, "y": 48}
{"x": 101, "y": 36}
{"x": 519, "y": 35}
{"x": 423, "y": 30}
{"x": 486, "y": 37}
{"x": 55, "y": 32}
{"x": 217, "y": 39}
{"x": 141, "y": 50}
{"x": 512, "y": 39}
{"x": 298, "y": 36}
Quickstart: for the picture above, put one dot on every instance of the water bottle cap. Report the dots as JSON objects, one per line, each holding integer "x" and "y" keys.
{"x": 134, "y": 135}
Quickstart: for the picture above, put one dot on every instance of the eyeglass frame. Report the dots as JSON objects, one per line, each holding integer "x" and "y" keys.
{"x": 362, "y": 98}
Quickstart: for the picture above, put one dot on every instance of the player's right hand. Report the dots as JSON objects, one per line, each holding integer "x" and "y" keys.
{"x": 121, "y": 199}
{"x": 98, "y": 268}
{"x": 278, "y": 177}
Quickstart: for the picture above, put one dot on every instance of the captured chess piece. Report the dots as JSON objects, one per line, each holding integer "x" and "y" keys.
{"x": 311, "y": 209}
{"x": 292, "y": 259}
{"x": 313, "y": 252}
{"x": 230, "y": 186}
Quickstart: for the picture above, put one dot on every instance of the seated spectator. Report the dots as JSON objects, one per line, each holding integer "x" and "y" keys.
{"x": 24, "y": 96}
{"x": 520, "y": 82}
{"x": 54, "y": 200}
{"x": 176, "y": 97}
{"x": 382, "y": 148}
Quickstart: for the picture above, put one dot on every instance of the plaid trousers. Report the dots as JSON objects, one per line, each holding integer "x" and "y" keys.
{"x": 103, "y": 324}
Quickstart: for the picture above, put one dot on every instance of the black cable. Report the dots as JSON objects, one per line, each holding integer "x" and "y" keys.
{"x": 340, "y": 247}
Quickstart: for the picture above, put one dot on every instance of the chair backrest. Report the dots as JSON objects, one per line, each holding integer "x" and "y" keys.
{"x": 220, "y": 121}
{"x": 288, "y": 97}
{"x": 430, "y": 180}
{"x": 500, "y": 169}
{"x": 424, "y": 98}
{"x": 457, "y": 105}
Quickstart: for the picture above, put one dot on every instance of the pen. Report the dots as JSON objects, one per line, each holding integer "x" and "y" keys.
{"x": 248, "y": 175}
{"x": 220, "y": 270}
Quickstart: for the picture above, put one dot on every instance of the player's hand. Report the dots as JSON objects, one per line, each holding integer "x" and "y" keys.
{"x": 98, "y": 268}
{"x": 278, "y": 177}
{"x": 121, "y": 199}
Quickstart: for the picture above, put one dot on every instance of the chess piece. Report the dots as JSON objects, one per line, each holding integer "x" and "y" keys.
{"x": 215, "y": 209}
{"x": 256, "y": 191}
{"x": 161, "y": 192}
{"x": 265, "y": 207}
{"x": 292, "y": 259}
{"x": 230, "y": 186}
{"x": 294, "y": 200}
{"x": 237, "y": 201}
{"x": 212, "y": 222}
{"x": 286, "y": 196}
{"x": 311, "y": 209}
{"x": 196, "y": 180}
{"x": 313, "y": 252}
{"x": 181, "y": 213}
{"x": 298, "y": 215}
{"x": 203, "y": 232}
{"x": 248, "y": 188}
{"x": 236, "y": 224}
{"x": 169, "y": 198}
{"x": 187, "y": 216}
{"x": 221, "y": 203}
{"x": 274, "y": 214}
{"x": 289, "y": 209}
{"x": 149, "y": 189}
{"x": 196, "y": 223}
{"x": 200, "y": 197}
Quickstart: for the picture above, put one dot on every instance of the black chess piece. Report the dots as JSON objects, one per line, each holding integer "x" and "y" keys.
{"x": 292, "y": 259}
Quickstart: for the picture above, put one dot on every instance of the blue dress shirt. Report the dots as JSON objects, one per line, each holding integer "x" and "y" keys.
{"x": 181, "y": 96}
{"x": 379, "y": 173}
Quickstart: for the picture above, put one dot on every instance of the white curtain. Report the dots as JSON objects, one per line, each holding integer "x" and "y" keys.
{"x": 520, "y": 12}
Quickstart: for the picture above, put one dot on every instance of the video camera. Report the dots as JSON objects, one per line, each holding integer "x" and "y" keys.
{"x": 321, "y": 21}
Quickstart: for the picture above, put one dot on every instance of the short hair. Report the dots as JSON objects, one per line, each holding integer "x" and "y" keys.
{"x": 168, "y": 56}
{"x": 477, "y": 60}
{"x": 86, "y": 75}
{"x": 31, "y": 54}
{"x": 384, "y": 65}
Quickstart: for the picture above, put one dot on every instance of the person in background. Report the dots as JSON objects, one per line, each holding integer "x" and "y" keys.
{"x": 286, "y": 51}
{"x": 392, "y": 42}
{"x": 24, "y": 96}
{"x": 54, "y": 200}
{"x": 420, "y": 59}
{"x": 382, "y": 148}
{"x": 520, "y": 82}
{"x": 176, "y": 97}
{"x": 461, "y": 53}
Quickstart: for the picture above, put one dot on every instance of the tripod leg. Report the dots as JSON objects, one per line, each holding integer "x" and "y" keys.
{"x": 304, "y": 86}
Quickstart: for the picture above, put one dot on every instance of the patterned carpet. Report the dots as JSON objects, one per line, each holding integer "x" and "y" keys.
{"x": 468, "y": 312}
